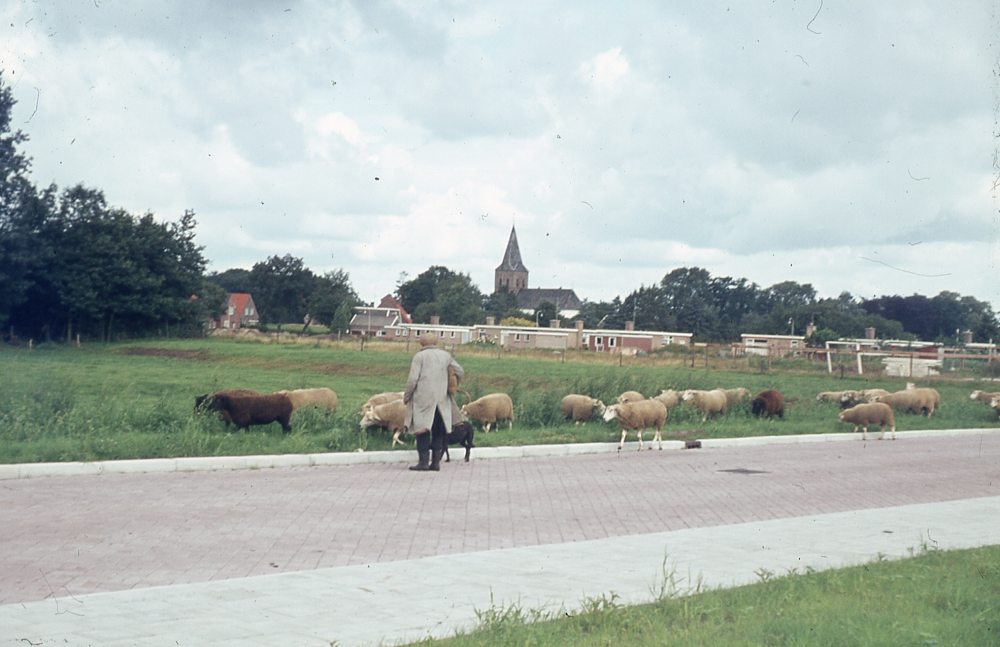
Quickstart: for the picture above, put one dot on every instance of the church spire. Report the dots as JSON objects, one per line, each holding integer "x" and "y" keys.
{"x": 511, "y": 272}
{"x": 512, "y": 257}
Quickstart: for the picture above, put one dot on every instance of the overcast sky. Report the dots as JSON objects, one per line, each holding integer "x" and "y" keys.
{"x": 849, "y": 145}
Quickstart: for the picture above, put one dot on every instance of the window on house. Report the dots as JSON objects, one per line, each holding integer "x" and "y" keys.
{"x": 225, "y": 324}
{"x": 599, "y": 341}
{"x": 452, "y": 334}
{"x": 611, "y": 341}
{"x": 232, "y": 310}
{"x": 517, "y": 337}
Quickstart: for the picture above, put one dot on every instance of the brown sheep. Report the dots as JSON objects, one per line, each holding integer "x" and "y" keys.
{"x": 580, "y": 408}
{"x": 768, "y": 403}
{"x": 246, "y": 410}
{"x": 202, "y": 401}
{"x": 638, "y": 416}
{"x": 915, "y": 400}
{"x": 874, "y": 413}
{"x": 630, "y": 396}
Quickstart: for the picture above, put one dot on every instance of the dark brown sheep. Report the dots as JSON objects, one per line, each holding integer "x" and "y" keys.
{"x": 246, "y": 410}
{"x": 769, "y": 403}
{"x": 202, "y": 402}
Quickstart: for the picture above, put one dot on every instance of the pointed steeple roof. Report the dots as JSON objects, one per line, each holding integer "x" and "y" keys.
{"x": 512, "y": 257}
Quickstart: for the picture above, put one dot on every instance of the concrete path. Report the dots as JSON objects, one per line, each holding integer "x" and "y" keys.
{"x": 371, "y": 553}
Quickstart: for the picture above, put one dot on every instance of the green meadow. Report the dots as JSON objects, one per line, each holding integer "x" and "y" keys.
{"x": 136, "y": 400}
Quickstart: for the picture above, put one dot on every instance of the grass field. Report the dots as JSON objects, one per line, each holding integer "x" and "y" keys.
{"x": 121, "y": 401}
{"x": 933, "y": 599}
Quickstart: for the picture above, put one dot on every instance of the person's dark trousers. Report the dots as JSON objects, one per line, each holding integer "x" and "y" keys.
{"x": 432, "y": 444}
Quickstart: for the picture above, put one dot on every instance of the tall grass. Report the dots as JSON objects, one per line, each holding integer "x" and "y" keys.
{"x": 933, "y": 598}
{"x": 136, "y": 400}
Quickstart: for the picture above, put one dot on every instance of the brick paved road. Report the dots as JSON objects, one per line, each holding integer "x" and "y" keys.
{"x": 75, "y": 535}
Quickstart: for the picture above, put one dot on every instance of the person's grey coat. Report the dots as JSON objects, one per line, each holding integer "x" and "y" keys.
{"x": 427, "y": 389}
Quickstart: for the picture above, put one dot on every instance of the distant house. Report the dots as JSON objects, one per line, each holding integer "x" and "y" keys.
{"x": 372, "y": 321}
{"x": 240, "y": 311}
{"x": 772, "y": 345}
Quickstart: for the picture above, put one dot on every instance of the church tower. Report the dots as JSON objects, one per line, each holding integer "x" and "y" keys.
{"x": 511, "y": 272}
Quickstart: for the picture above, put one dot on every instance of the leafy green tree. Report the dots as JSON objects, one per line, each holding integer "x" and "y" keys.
{"x": 235, "y": 280}
{"x": 281, "y": 287}
{"x": 441, "y": 292}
{"x": 545, "y": 312}
{"x": 500, "y": 304}
{"x": 331, "y": 292}
{"x": 594, "y": 314}
{"x": 21, "y": 250}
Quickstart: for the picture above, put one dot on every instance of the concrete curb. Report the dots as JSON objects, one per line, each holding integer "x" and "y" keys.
{"x": 216, "y": 463}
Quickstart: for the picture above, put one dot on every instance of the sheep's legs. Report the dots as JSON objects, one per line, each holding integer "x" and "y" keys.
{"x": 621, "y": 443}
{"x": 640, "y": 439}
{"x": 659, "y": 441}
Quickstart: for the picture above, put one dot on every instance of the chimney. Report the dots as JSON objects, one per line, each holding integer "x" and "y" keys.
{"x": 967, "y": 337}
{"x": 490, "y": 321}
{"x": 553, "y": 323}
{"x": 869, "y": 333}
{"x": 579, "y": 326}
{"x": 810, "y": 329}
{"x": 435, "y": 320}
{"x": 629, "y": 325}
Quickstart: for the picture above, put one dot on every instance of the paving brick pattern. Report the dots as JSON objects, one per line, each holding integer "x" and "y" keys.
{"x": 65, "y": 536}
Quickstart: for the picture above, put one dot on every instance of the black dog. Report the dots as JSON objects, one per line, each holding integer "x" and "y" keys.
{"x": 460, "y": 434}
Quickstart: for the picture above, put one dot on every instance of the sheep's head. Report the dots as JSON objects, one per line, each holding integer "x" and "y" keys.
{"x": 600, "y": 407}
{"x": 847, "y": 396}
{"x": 687, "y": 395}
{"x": 841, "y": 416}
{"x": 610, "y": 413}
{"x": 975, "y": 395}
{"x": 995, "y": 402}
{"x": 371, "y": 420}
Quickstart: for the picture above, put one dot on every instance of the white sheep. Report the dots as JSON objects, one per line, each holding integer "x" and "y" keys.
{"x": 995, "y": 403}
{"x": 830, "y": 396}
{"x": 629, "y": 396}
{"x": 851, "y": 398}
{"x": 490, "y": 409}
{"x": 638, "y": 416}
{"x": 735, "y": 396}
{"x": 915, "y": 400}
{"x": 668, "y": 398}
{"x": 580, "y": 408}
{"x": 984, "y": 396}
{"x": 709, "y": 403}
{"x": 380, "y": 398}
{"x": 873, "y": 413}
{"x": 321, "y": 398}
{"x": 391, "y": 416}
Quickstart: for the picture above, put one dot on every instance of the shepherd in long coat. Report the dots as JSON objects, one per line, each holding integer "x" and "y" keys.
{"x": 428, "y": 405}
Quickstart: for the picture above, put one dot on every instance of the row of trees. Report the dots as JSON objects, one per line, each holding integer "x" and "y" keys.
{"x": 285, "y": 291}
{"x": 690, "y": 299}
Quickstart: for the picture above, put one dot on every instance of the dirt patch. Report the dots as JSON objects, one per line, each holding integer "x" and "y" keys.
{"x": 199, "y": 355}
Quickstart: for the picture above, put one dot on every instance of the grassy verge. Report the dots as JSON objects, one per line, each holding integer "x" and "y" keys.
{"x": 136, "y": 400}
{"x": 934, "y": 598}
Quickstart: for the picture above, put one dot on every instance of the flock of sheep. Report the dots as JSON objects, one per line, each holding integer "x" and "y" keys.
{"x": 634, "y": 412}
